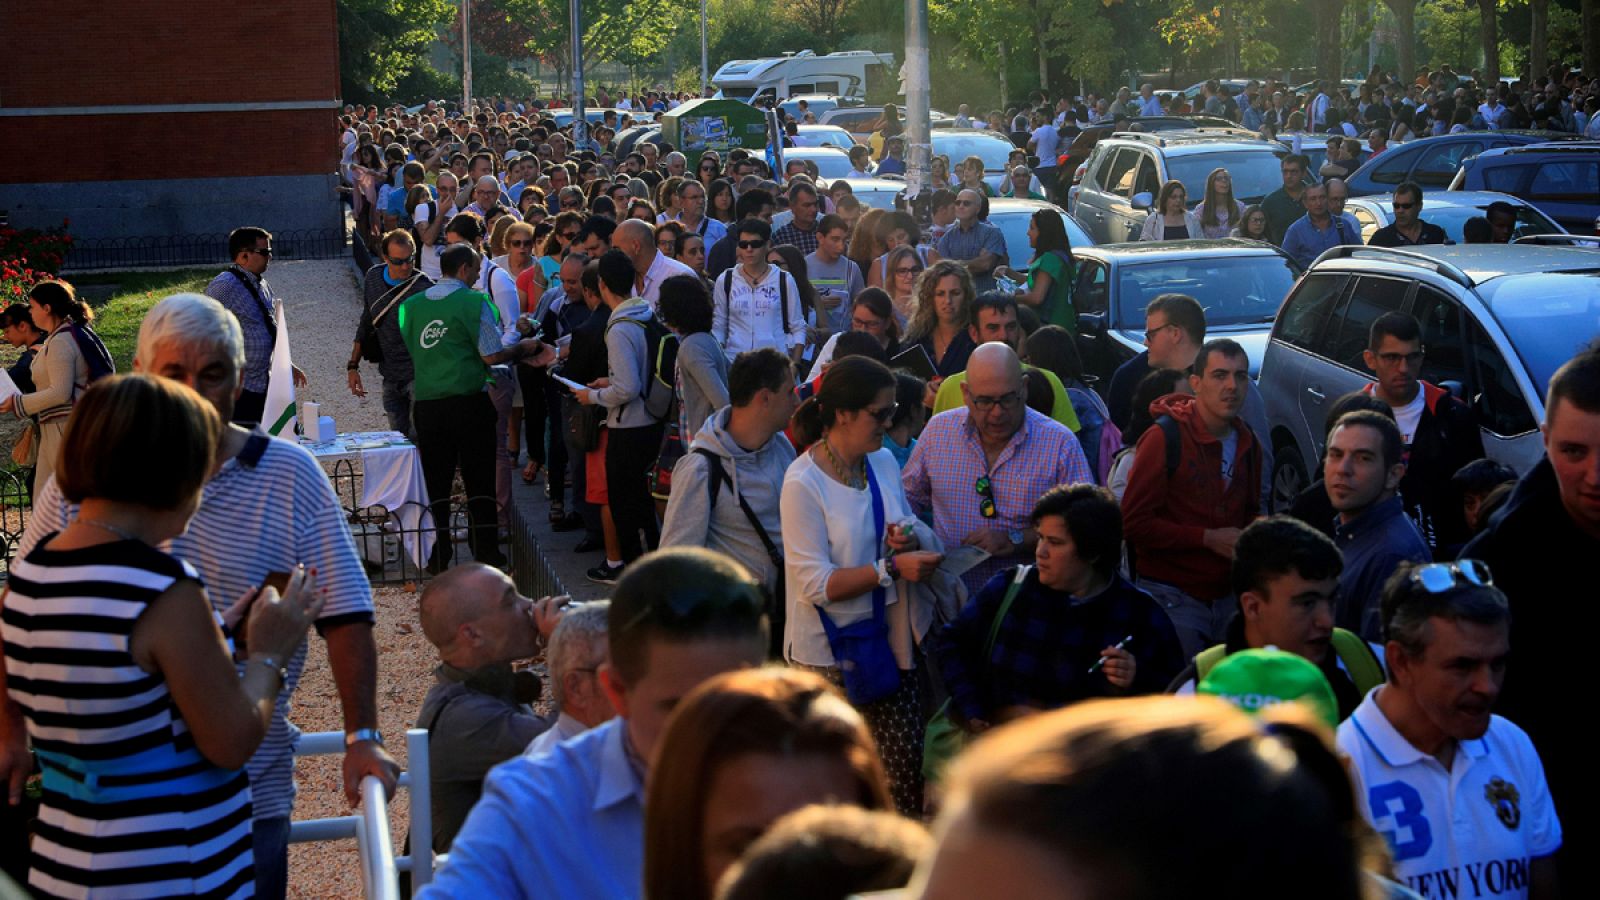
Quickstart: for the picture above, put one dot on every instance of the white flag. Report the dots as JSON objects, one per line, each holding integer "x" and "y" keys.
{"x": 278, "y": 416}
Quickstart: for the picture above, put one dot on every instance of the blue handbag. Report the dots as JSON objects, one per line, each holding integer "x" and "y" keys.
{"x": 861, "y": 649}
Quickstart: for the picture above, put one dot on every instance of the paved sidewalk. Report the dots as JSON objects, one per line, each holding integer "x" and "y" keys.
{"x": 532, "y": 511}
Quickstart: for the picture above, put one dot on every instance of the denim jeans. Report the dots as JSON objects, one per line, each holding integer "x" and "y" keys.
{"x": 397, "y": 406}
{"x": 269, "y": 843}
{"x": 1199, "y": 624}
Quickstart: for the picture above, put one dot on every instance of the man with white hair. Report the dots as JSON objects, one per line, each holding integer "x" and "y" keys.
{"x": 676, "y": 164}
{"x": 576, "y": 652}
{"x": 486, "y": 194}
{"x": 267, "y": 509}
{"x": 638, "y": 240}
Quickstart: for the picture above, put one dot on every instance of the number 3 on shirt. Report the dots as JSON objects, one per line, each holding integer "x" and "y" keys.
{"x": 1402, "y": 803}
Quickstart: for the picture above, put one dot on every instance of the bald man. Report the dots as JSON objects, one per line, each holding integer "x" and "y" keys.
{"x": 996, "y": 441}
{"x": 486, "y": 194}
{"x": 477, "y": 712}
{"x": 638, "y": 240}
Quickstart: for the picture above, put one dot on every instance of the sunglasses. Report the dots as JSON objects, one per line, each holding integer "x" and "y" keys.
{"x": 1437, "y": 578}
{"x": 1412, "y": 205}
{"x": 751, "y": 245}
{"x": 517, "y": 243}
{"x": 985, "y": 489}
{"x": 885, "y": 415}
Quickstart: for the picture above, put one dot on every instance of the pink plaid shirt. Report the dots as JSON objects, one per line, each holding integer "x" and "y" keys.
{"x": 942, "y": 475}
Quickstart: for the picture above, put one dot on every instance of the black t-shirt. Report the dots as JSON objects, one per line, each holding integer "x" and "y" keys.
{"x": 1390, "y": 236}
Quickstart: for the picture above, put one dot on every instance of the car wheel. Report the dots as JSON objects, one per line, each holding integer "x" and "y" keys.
{"x": 1289, "y": 476}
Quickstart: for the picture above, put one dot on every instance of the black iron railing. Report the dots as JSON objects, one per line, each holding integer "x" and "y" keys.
{"x": 198, "y": 249}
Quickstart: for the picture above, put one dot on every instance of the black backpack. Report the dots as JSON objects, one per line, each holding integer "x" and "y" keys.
{"x": 661, "y": 366}
{"x": 93, "y": 350}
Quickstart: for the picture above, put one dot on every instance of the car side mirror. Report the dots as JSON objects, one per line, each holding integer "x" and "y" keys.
{"x": 1092, "y": 322}
{"x": 1143, "y": 200}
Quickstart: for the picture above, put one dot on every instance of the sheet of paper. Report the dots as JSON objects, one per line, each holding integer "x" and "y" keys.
{"x": 569, "y": 383}
{"x": 959, "y": 560}
{"x": 8, "y": 388}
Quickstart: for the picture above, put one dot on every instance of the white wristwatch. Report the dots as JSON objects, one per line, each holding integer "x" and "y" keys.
{"x": 884, "y": 578}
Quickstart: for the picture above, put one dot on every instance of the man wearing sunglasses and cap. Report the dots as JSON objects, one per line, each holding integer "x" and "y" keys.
{"x": 1458, "y": 792}
{"x": 979, "y": 468}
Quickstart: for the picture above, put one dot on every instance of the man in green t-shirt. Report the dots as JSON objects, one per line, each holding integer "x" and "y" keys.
{"x": 453, "y": 335}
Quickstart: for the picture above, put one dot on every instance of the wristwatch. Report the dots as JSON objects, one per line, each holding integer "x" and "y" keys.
{"x": 351, "y": 738}
{"x": 352, "y": 365}
{"x": 887, "y": 571}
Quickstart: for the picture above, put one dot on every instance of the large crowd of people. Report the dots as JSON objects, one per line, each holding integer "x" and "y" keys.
{"x": 878, "y": 550}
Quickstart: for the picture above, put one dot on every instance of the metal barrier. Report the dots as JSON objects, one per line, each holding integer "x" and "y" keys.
{"x": 531, "y": 570}
{"x": 198, "y": 249}
{"x": 16, "y": 503}
{"x": 380, "y": 867}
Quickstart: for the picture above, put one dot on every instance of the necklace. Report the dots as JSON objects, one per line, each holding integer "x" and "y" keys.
{"x": 840, "y": 469}
{"x": 123, "y": 533}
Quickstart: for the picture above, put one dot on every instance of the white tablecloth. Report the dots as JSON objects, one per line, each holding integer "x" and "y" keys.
{"x": 391, "y": 478}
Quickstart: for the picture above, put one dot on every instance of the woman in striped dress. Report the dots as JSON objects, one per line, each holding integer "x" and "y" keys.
{"x": 118, "y": 666}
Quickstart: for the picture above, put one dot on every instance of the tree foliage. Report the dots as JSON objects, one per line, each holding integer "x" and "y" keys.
{"x": 381, "y": 41}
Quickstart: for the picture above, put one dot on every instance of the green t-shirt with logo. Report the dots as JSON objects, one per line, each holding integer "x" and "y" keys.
{"x": 442, "y": 336}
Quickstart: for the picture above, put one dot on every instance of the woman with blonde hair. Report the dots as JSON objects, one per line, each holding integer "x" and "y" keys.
{"x": 903, "y": 266}
{"x": 738, "y": 753}
{"x": 1219, "y": 213}
{"x": 940, "y": 317}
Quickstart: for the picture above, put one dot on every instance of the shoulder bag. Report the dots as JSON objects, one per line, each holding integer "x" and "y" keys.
{"x": 861, "y": 649}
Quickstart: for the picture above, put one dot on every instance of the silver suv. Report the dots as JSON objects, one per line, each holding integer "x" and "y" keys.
{"x": 1124, "y": 174}
{"x": 1497, "y": 321}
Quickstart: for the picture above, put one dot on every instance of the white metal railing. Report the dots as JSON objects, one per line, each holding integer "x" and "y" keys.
{"x": 379, "y": 864}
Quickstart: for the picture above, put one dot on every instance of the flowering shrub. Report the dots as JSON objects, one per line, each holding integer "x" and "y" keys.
{"x": 28, "y": 256}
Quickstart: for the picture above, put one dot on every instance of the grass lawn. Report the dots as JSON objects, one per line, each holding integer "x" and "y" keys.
{"x": 117, "y": 318}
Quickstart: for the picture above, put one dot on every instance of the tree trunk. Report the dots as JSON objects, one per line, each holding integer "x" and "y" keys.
{"x": 1329, "y": 48}
{"x": 1591, "y": 37}
{"x": 1405, "y": 20}
{"x": 1005, "y": 88}
{"x": 1539, "y": 43}
{"x": 1039, "y": 15}
{"x": 1489, "y": 31}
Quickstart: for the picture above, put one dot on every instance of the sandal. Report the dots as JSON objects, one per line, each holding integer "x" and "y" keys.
{"x": 530, "y": 473}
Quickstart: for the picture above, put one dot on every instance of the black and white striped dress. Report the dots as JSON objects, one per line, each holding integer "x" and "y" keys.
{"x": 130, "y": 807}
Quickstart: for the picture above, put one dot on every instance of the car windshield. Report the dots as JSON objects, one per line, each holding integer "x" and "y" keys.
{"x": 1256, "y": 173}
{"x": 831, "y": 137}
{"x": 1454, "y": 218}
{"x": 1548, "y": 317}
{"x": 829, "y": 165}
{"x": 992, "y": 149}
{"x": 1013, "y": 224}
{"x": 1234, "y": 290}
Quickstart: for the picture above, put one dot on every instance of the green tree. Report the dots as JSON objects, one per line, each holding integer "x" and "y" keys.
{"x": 1489, "y": 34}
{"x": 1405, "y": 17}
{"x": 381, "y": 41}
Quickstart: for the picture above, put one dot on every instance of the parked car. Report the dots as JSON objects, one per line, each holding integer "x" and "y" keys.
{"x": 591, "y": 114}
{"x": 1497, "y": 321}
{"x": 874, "y": 193}
{"x": 818, "y": 104}
{"x": 1432, "y": 162}
{"x": 1562, "y": 179}
{"x": 861, "y": 121}
{"x": 629, "y": 139}
{"x": 1315, "y": 148}
{"x": 831, "y": 161}
{"x": 960, "y": 143}
{"x": 823, "y": 136}
{"x": 1450, "y": 210}
{"x": 1077, "y": 153}
{"x": 1011, "y": 217}
{"x": 1126, "y": 171}
{"x": 1240, "y": 283}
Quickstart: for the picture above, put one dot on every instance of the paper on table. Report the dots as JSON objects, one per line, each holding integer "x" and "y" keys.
{"x": 570, "y": 384}
{"x": 959, "y": 560}
{"x": 8, "y": 388}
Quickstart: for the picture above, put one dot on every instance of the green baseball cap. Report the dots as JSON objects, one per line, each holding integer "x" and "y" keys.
{"x": 1256, "y": 679}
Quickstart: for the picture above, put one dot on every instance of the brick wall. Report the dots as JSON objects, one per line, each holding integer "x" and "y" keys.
{"x": 77, "y": 53}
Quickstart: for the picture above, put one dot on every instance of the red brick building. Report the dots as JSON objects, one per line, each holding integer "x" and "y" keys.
{"x": 169, "y": 117}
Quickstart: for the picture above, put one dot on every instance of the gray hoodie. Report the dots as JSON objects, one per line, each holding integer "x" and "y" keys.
{"x": 626, "y": 352}
{"x": 757, "y": 476}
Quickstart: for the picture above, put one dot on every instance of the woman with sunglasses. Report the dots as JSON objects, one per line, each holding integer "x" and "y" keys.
{"x": 558, "y": 244}
{"x": 848, "y": 551}
{"x": 872, "y": 312}
{"x": 709, "y": 170}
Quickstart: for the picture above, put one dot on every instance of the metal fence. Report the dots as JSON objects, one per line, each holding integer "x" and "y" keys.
{"x": 198, "y": 249}
{"x": 16, "y": 504}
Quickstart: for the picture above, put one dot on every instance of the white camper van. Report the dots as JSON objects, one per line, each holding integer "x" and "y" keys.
{"x": 844, "y": 74}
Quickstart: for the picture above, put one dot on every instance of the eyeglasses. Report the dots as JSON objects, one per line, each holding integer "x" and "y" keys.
{"x": 1437, "y": 578}
{"x": 866, "y": 324}
{"x": 521, "y": 243}
{"x": 261, "y": 251}
{"x": 907, "y": 270}
{"x": 985, "y": 489}
{"x": 751, "y": 245}
{"x": 1395, "y": 359}
{"x": 1150, "y": 336}
{"x": 397, "y": 262}
{"x": 1004, "y": 401}
{"x": 666, "y": 246}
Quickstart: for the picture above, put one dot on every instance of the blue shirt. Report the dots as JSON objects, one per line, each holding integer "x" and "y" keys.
{"x": 961, "y": 244}
{"x": 1305, "y": 241}
{"x": 567, "y": 824}
{"x": 1374, "y": 544}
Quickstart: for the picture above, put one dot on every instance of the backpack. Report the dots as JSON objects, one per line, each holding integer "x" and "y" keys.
{"x": 93, "y": 350}
{"x": 1099, "y": 436}
{"x": 783, "y": 302}
{"x": 660, "y": 367}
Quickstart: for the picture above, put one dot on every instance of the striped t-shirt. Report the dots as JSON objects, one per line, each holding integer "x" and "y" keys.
{"x": 130, "y": 806}
{"x": 253, "y": 522}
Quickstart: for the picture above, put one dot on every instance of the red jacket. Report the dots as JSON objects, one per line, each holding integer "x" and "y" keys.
{"x": 1164, "y": 520}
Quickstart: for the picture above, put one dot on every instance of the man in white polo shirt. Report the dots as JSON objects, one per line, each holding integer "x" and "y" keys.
{"x": 1458, "y": 792}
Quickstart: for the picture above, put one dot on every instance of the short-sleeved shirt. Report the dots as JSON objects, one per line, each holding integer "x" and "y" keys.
{"x": 1057, "y": 308}
{"x": 1468, "y": 831}
{"x": 1391, "y": 236}
{"x": 1045, "y": 141}
{"x": 962, "y": 244}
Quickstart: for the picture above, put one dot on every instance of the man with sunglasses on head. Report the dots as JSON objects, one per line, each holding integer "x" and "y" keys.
{"x": 1408, "y": 229}
{"x": 1542, "y": 546}
{"x": 382, "y": 290}
{"x": 979, "y": 468}
{"x": 1439, "y": 430}
{"x": 571, "y": 823}
{"x": 1459, "y": 793}
{"x": 243, "y": 290}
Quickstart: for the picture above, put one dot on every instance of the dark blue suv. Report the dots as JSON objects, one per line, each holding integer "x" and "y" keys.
{"x": 1561, "y": 179}
{"x": 1432, "y": 161}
